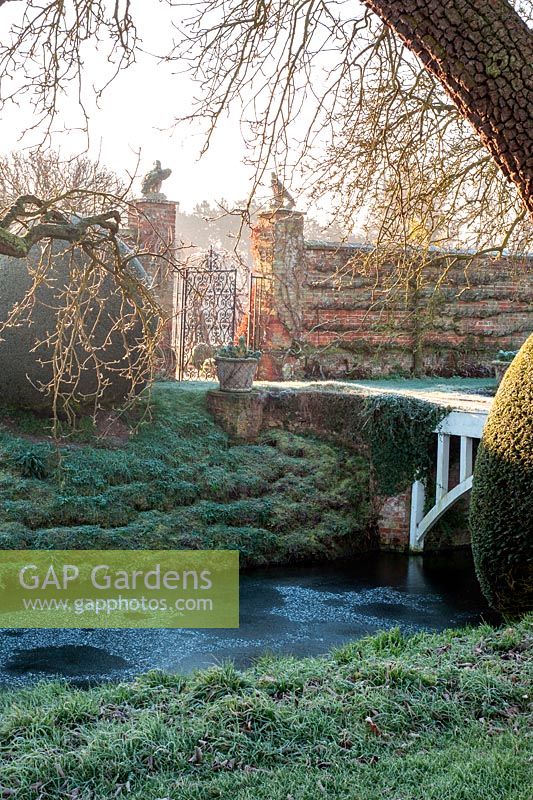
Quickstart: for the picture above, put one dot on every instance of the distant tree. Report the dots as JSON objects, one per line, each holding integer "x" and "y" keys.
{"x": 222, "y": 225}
{"x": 333, "y": 232}
{"x": 86, "y": 185}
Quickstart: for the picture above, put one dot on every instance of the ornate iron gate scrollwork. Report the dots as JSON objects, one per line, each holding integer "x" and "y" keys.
{"x": 206, "y": 298}
{"x": 260, "y": 305}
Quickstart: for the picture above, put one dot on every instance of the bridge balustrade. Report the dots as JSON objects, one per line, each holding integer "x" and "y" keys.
{"x": 469, "y": 427}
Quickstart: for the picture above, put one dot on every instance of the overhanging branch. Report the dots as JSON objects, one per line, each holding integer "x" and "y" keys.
{"x": 52, "y": 224}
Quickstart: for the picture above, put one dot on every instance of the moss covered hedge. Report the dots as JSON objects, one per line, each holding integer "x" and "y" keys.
{"x": 501, "y": 516}
{"x": 27, "y": 350}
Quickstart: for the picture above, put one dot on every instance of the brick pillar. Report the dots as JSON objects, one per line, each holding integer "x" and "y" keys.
{"x": 393, "y": 521}
{"x": 278, "y": 253}
{"x": 152, "y": 226}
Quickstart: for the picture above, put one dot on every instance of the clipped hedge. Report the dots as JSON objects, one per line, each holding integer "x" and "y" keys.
{"x": 27, "y": 351}
{"x": 501, "y": 516}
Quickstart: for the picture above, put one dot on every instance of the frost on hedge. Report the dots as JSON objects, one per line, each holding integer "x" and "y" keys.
{"x": 501, "y": 517}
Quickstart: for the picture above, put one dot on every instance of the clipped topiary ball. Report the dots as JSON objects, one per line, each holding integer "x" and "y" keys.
{"x": 501, "y": 515}
{"x": 26, "y": 348}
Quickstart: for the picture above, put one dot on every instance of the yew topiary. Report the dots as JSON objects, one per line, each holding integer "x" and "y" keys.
{"x": 106, "y": 361}
{"x": 501, "y": 517}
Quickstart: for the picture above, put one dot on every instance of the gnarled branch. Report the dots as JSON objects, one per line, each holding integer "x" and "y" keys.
{"x": 52, "y": 225}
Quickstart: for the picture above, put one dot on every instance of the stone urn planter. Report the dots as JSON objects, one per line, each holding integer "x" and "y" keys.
{"x": 236, "y": 367}
{"x": 236, "y": 374}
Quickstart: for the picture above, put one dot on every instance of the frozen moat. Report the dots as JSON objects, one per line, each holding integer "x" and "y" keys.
{"x": 302, "y": 610}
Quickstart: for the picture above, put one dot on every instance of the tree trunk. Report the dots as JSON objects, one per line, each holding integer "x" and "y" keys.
{"x": 481, "y": 51}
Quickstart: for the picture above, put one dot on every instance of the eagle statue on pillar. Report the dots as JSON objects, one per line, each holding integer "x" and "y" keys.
{"x": 151, "y": 185}
{"x": 281, "y": 197}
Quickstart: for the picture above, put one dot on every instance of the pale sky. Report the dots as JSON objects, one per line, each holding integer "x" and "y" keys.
{"x": 136, "y": 114}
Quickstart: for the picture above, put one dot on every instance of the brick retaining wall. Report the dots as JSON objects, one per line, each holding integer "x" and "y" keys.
{"x": 333, "y": 312}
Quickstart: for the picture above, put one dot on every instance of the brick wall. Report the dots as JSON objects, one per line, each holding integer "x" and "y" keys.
{"x": 337, "y": 310}
{"x": 393, "y": 521}
{"x": 152, "y": 228}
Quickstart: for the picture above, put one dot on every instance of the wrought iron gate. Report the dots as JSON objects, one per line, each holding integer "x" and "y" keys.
{"x": 260, "y": 305}
{"x": 205, "y": 311}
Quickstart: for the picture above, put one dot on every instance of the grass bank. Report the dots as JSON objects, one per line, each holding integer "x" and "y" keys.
{"x": 177, "y": 482}
{"x": 427, "y": 717}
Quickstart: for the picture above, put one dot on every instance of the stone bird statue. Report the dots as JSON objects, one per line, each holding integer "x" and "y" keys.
{"x": 281, "y": 198}
{"x": 152, "y": 181}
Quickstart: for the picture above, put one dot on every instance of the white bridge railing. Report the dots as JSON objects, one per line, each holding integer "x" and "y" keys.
{"x": 468, "y": 426}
